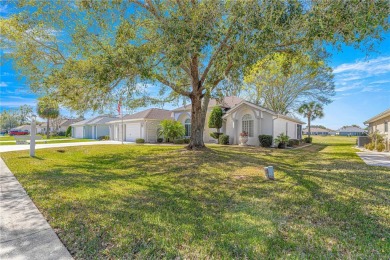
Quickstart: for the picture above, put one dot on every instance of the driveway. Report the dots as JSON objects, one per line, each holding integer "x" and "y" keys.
{"x": 375, "y": 158}
{"x": 21, "y": 147}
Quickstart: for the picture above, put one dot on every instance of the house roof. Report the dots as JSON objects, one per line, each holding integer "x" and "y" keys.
{"x": 22, "y": 127}
{"x": 99, "y": 120}
{"x": 68, "y": 122}
{"x": 151, "y": 113}
{"x": 351, "y": 129}
{"x": 227, "y": 102}
{"x": 378, "y": 117}
{"x": 243, "y": 102}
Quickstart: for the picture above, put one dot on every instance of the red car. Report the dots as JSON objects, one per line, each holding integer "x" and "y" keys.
{"x": 18, "y": 132}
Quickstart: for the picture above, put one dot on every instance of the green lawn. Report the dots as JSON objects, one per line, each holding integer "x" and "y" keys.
{"x": 138, "y": 201}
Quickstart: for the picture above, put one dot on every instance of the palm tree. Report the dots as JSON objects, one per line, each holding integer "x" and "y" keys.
{"x": 311, "y": 111}
{"x": 47, "y": 108}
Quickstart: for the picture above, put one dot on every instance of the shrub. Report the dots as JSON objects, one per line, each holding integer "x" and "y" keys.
{"x": 68, "y": 132}
{"x": 282, "y": 140}
{"x": 265, "y": 140}
{"x": 369, "y": 146}
{"x": 293, "y": 142}
{"x": 186, "y": 140}
{"x": 160, "y": 140}
{"x": 308, "y": 140}
{"x": 103, "y": 137}
{"x": 139, "y": 141}
{"x": 380, "y": 147}
{"x": 61, "y": 133}
{"x": 223, "y": 139}
{"x": 171, "y": 129}
{"x": 215, "y": 135}
{"x": 178, "y": 141}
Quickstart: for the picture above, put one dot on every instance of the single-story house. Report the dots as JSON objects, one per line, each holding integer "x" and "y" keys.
{"x": 257, "y": 120}
{"x": 92, "y": 128}
{"x": 380, "y": 123}
{"x": 143, "y": 124}
{"x": 316, "y": 131}
{"x": 351, "y": 131}
{"x": 65, "y": 123}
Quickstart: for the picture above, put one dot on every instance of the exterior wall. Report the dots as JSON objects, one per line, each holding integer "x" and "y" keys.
{"x": 379, "y": 125}
{"x": 132, "y": 131}
{"x": 88, "y": 132}
{"x": 151, "y": 131}
{"x": 287, "y": 127}
{"x": 102, "y": 130}
{"x": 77, "y": 132}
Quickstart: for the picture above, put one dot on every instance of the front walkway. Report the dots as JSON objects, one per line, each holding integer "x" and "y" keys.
{"x": 375, "y": 158}
{"x": 24, "y": 232}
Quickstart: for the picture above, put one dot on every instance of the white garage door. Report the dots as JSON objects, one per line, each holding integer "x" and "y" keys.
{"x": 133, "y": 131}
{"x": 78, "y": 132}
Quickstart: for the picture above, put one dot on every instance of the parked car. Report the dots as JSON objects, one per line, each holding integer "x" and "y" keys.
{"x": 3, "y": 132}
{"x": 18, "y": 132}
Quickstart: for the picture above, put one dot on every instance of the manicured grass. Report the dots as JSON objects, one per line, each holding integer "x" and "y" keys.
{"x": 51, "y": 141}
{"x": 139, "y": 201}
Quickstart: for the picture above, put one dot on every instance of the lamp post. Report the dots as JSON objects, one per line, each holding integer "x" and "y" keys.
{"x": 33, "y": 134}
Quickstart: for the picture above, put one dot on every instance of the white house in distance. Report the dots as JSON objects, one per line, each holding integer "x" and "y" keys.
{"x": 380, "y": 123}
{"x": 92, "y": 128}
{"x": 143, "y": 125}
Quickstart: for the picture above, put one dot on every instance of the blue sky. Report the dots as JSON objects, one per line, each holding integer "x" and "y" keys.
{"x": 362, "y": 85}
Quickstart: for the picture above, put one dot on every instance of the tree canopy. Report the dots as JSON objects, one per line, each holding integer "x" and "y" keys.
{"x": 85, "y": 53}
{"x": 282, "y": 82}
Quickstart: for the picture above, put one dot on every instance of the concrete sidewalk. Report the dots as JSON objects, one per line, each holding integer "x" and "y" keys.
{"x": 375, "y": 158}
{"x": 24, "y": 232}
{"x": 21, "y": 147}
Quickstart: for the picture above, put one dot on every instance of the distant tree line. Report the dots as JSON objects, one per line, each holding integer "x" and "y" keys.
{"x": 11, "y": 118}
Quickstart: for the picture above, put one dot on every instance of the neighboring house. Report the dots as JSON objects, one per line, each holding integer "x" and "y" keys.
{"x": 28, "y": 128}
{"x": 380, "y": 123}
{"x": 65, "y": 123}
{"x": 317, "y": 131}
{"x": 143, "y": 124}
{"x": 257, "y": 120}
{"x": 351, "y": 131}
{"x": 92, "y": 128}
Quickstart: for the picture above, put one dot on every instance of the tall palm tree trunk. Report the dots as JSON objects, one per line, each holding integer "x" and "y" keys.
{"x": 48, "y": 129}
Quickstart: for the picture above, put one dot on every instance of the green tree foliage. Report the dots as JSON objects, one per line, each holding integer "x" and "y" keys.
{"x": 215, "y": 119}
{"x": 68, "y": 132}
{"x": 9, "y": 119}
{"x": 85, "y": 52}
{"x": 25, "y": 113}
{"x": 48, "y": 108}
{"x": 283, "y": 81}
{"x": 171, "y": 130}
{"x": 311, "y": 111}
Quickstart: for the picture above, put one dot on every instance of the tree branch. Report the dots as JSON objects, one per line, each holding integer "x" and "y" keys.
{"x": 172, "y": 85}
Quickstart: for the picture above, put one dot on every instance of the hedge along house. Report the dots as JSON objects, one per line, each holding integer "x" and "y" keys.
{"x": 183, "y": 115}
{"x": 256, "y": 120}
{"x": 144, "y": 124}
{"x": 380, "y": 123}
{"x": 92, "y": 128}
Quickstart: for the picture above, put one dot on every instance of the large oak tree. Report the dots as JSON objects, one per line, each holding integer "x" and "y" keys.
{"x": 85, "y": 52}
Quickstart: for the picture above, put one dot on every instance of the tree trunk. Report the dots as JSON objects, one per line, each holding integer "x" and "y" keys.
{"x": 48, "y": 129}
{"x": 198, "y": 116}
{"x": 308, "y": 124}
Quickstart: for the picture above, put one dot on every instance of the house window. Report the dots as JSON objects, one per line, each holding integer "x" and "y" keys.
{"x": 386, "y": 127}
{"x": 187, "y": 126}
{"x": 247, "y": 125}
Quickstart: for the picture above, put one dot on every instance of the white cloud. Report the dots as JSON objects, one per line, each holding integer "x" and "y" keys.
{"x": 3, "y": 84}
{"x": 376, "y": 66}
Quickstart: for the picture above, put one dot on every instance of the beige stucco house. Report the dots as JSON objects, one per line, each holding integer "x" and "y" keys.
{"x": 380, "y": 123}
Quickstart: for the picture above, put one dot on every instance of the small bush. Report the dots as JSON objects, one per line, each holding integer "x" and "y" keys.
{"x": 223, "y": 139}
{"x": 103, "y": 137}
{"x": 216, "y": 135}
{"x": 308, "y": 140}
{"x": 265, "y": 140}
{"x": 139, "y": 141}
{"x": 61, "y": 134}
{"x": 369, "y": 146}
{"x": 68, "y": 132}
{"x": 178, "y": 141}
{"x": 380, "y": 147}
{"x": 186, "y": 140}
{"x": 160, "y": 140}
{"x": 293, "y": 142}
